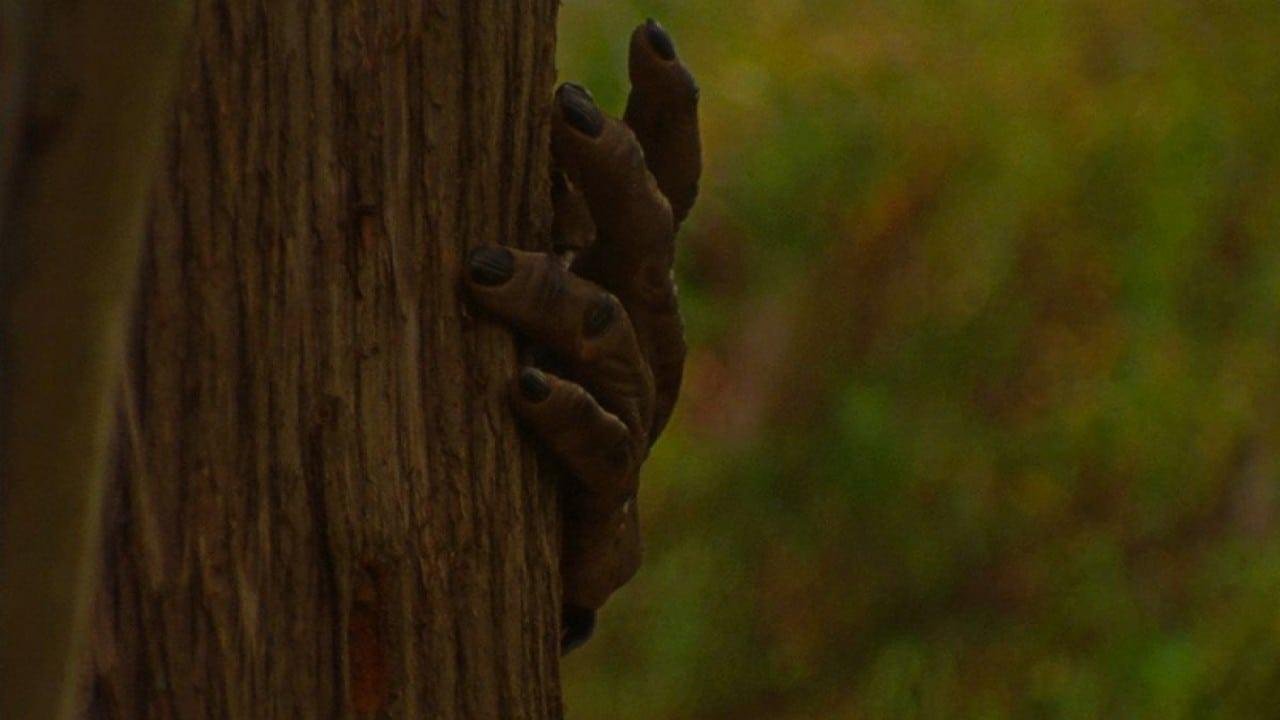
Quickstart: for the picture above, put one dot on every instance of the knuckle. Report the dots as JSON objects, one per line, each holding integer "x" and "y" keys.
{"x": 551, "y": 284}
{"x": 581, "y": 411}
{"x": 691, "y": 92}
{"x": 625, "y": 156}
{"x": 620, "y": 455}
{"x": 658, "y": 288}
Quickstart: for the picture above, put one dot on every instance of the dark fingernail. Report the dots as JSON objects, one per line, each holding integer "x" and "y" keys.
{"x": 579, "y": 624}
{"x": 491, "y": 265}
{"x": 599, "y": 315}
{"x": 660, "y": 40}
{"x": 559, "y": 183}
{"x": 580, "y": 110}
{"x": 533, "y": 385}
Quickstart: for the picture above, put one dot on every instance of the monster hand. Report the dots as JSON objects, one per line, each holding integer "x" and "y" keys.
{"x": 610, "y": 321}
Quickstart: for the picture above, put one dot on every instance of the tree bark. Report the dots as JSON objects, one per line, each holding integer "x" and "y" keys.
{"x": 323, "y": 506}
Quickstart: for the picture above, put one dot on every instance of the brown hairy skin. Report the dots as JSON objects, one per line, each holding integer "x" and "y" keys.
{"x": 611, "y": 321}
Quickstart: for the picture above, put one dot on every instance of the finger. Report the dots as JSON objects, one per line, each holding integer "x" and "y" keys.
{"x": 634, "y": 229}
{"x": 600, "y": 452}
{"x": 572, "y": 229}
{"x": 581, "y": 324}
{"x": 663, "y": 112}
{"x": 601, "y": 553}
{"x": 603, "y": 456}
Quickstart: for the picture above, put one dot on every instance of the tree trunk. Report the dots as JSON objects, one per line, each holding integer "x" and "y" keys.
{"x": 323, "y": 506}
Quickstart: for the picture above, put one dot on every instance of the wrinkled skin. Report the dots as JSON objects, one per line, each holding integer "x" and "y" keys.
{"x": 603, "y": 307}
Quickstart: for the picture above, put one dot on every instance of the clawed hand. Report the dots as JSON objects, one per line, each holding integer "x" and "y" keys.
{"x": 610, "y": 320}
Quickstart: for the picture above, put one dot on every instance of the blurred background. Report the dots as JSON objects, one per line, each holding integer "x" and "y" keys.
{"x": 982, "y": 411}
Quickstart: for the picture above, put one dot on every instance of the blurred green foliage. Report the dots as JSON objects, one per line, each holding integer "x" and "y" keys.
{"x": 982, "y": 413}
